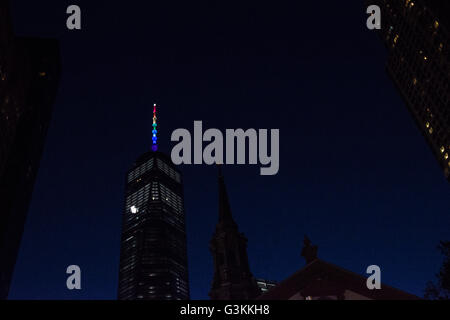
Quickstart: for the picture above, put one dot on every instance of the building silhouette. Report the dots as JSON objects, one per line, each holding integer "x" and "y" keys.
{"x": 153, "y": 258}
{"x": 232, "y": 277}
{"x": 416, "y": 34}
{"x": 321, "y": 280}
{"x": 29, "y": 78}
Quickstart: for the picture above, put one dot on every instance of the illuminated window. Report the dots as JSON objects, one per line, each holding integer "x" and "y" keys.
{"x": 138, "y": 199}
{"x": 396, "y": 38}
{"x": 407, "y": 2}
{"x": 425, "y": 58}
{"x": 42, "y": 74}
{"x": 446, "y": 156}
{"x": 441, "y": 46}
{"x": 430, "y": 131}
{"x": 414, "y": 81}
{"x": 442, "y": 149}
{"x": 436, "y": 24}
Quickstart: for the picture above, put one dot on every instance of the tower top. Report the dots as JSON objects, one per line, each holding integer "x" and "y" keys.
{"x": 154, "y": 131}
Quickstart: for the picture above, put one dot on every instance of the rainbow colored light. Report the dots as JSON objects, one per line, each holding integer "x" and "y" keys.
{"x": 155, "y": 131}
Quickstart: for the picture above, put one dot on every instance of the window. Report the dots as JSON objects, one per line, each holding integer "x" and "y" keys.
{"x": 396, "y": 39}
{"x": 172, "y": 199}
{"x": 139, "y": 171}
{"x": 155, "y": 191}
{"x": 436, "y": 24}
{"x": 138, "y": 199}
{"x": 164, "y": 167}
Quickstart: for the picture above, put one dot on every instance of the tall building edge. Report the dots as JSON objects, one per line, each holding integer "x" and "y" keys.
{"x": 416, "y": 34}
{"x": 29, "y": 79}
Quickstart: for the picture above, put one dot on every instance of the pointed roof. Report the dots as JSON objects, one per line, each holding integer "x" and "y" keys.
{"x": 319, "y": 277}
{"x": 225, "y": 216}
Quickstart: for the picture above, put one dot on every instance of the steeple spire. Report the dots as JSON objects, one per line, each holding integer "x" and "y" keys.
{"x": 154, "y": 131}
{"x": 225, "y": 216}
{"x": 232, "y": 277}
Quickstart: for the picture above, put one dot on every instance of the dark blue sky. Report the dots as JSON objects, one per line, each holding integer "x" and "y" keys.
{"x": 355, "y": 173}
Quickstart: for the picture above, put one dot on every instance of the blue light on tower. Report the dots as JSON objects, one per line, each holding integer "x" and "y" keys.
{"x": 155, "y": 131}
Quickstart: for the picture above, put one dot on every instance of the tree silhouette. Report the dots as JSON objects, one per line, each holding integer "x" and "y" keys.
{"x": 441, "y": 289}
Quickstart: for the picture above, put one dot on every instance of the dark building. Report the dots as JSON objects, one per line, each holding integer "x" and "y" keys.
{"x": 29, "y": 77}
{"x": 321, "y": 280}
{"x": 153, "y": 259}
{"x": 416, "y": 34}
{"x": 232, "y": 277}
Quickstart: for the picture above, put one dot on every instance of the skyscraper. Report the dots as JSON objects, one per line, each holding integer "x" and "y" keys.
{"x": 29, "y": 77}
{"x": 416, "y": 34}
{"x": 232, "y": 277}
{"x": 153, "y": 258}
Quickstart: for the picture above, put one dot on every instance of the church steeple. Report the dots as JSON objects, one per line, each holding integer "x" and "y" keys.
{"x": 225, "y": 216}
{"x": 232, "y": 277}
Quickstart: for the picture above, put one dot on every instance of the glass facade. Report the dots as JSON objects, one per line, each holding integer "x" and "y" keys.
{"x": 416, "y": 34}
{"x": 153, "y": 260}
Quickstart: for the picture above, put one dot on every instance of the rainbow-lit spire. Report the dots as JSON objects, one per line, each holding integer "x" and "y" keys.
{"x": 154, "y": 132}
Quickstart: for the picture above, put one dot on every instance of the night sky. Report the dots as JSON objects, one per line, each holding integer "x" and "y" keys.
{"x": 355, "y": 174}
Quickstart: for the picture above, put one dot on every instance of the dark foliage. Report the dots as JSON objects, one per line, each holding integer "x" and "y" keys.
{"x": 441, "y": 289}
